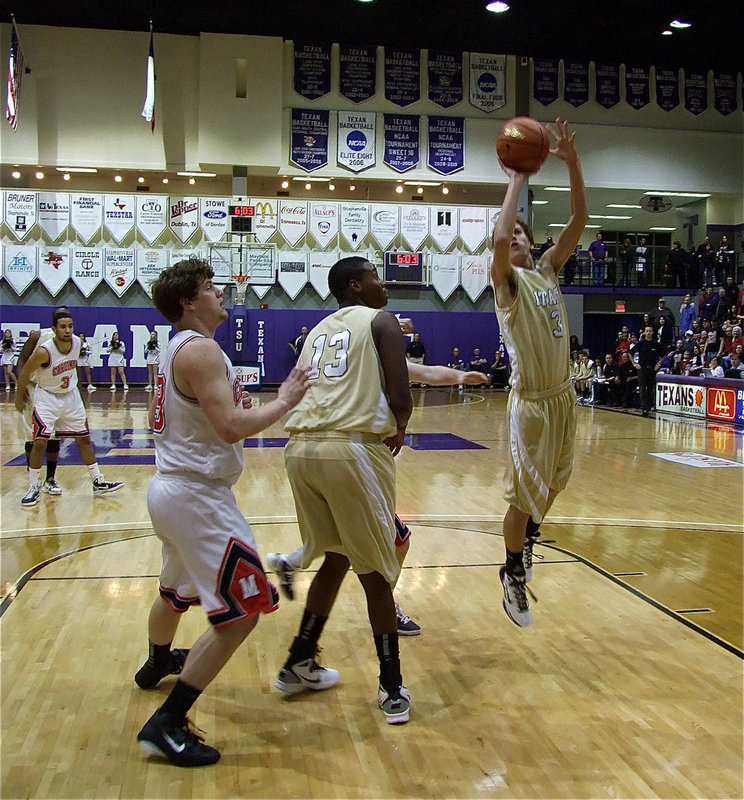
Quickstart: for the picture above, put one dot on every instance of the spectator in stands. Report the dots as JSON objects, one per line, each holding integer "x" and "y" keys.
{"x": 628, "y": 376}
{"x": 687, "y": 313}
{"x": 707, "y": 304}
{"x": 724, "y": 260}
{"x": 649, "y": 360}
{"x": 678, "y": 355}
{"x": 609, "y": 382}
{"x": 477, "y": 362}
{"x": 627, "y": 256}
{"x": 732, "y": 291}
{"x": 696, "y": 364}
{"x": 710, "y": 329}
{"x": 697, "y": 329}
{"x": 716, "y": 370}
{"x": 722, "y": 306}
{"x": 546, "y": 245}
{"x": 663, "y": 311}
{"x": 642, "y": 262}
{"x": 456, "y": 361}
{"x": 499, "y": 371}
{"x": 675, "y": 267}
{"x": 415, "y": 350}
{"x": 664, "y": 334}
{"x": 736, "y": 370}
{"x": 732, "y": 336}
{"x": 622, "y": 345}
{"x": 645, "y": 322}
{"x": 598, "y": 258}
{"x": 689, "y": 341}
{"x": 734, "y": 317}
{"x": 573, "y": 344}
{"x": 706, "y": 258}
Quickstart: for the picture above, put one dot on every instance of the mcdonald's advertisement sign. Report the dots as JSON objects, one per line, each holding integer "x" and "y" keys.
{"x": 726, "y": 404}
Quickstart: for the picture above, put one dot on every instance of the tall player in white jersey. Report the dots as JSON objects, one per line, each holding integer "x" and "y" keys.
{"x": 58, "y": 407}
{"x": 199, "y": 418}
{"x": 540, "y": 411}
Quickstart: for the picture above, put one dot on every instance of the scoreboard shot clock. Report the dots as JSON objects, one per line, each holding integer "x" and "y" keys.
{"x": 404, "y": 267}
{"x": 241, "y": 218}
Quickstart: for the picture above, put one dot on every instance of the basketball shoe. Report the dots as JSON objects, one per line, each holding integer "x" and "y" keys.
{"x": 31, "y": 498}
{"x": 278, "y": 564}
{"x": 101, "y": 486}
{"x": 306, "y": 675}
{"x": 516, "y": 604}
{"x": 395, "y": 705}
{"x": 528, "y": 556}
{"x": 149, "y": 676}
{"x": 165, "y": 736}
{"x": 406, "y": 626}
{"x": 50, "y": 486}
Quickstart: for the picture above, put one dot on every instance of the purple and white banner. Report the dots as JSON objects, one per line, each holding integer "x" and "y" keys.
{"x": 474, "y": 274}
{"x": 445, "y": 274}
{"x": 356, "y": 140}
{"x": 357, "y": 73}
{"x": 309, "y": 139}
{"x": 545, "y": 80}
{"x": 443, "y": 226}
{"x": 354, "y": 223}
{"x": 54, "y": 214}
{"x": 152, "y": 216}
{"x": 402, "y": 76}
{"x": 402, "y": 141}
{"x": 696, "y": 91}
{"x": 575, "y": 82}
{"x": 323, "y": 222}
{"x": 213, "y": 217}
{"x": 383, "y": 223}
{"x": 320, "y": 266}
{"x": 473, "y": 227}
{"x": 292, "y": 220}
{"x": 607, "y": 84}
{"x": 19, "y": 266}
{"x": 87, "y": 268}
{"x": 183, "y": 217}
{"x": 86, "y": 215}
{"x": 446, "y": 144}
{"x": 292, "y": 272}
{"x": 637, "y": 86}
{"x": 119, "y": 270}
{"x": 150, "y": 263}
{"x": 667, "y": 88}
{"x": 414, "y": 225}
{"x": 487, "y": 81}
{"x": 724, "y": 92}
{"x": 266, "y": 218}
{"x": 312, "y": 70}
{"x": 445, "y": 78}
{"x": 20, "y": 212}
{"x": 118, "y": 215}
{"x": 54, "y": 268}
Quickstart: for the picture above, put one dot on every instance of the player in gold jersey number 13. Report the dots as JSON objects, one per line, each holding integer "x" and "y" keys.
{"x": 339, "y": 343}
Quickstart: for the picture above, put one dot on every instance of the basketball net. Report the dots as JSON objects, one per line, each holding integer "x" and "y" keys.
{"x": 241, "y": 286}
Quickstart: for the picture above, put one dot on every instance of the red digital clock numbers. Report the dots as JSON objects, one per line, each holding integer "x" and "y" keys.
{"x": 406, "y": 259}
{"x": 241, "y": 211}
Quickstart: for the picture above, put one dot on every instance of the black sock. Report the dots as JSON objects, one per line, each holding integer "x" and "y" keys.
{"x": 180, "y": 700}
{"x": 388, "y": 654}
{"x": 158, "y": 655}
{"x": 28, "y": 447}
{"x": 533, "y": 529}
{"x": 514, "y": 563}
{"x": 305, "y": 644}
{"x": 52, "y": 450}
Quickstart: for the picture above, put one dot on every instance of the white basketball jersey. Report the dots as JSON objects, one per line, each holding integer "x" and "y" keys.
{"x": 45, "y": 335}
{"x": 186, "y": 442}
{"x": 60, "y": 376}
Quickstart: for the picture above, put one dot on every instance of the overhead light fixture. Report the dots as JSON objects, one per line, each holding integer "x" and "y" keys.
{"x": 592, "y": 226}
{"x": 559, "y": 225}
{"x": 622, "y": 205}
{"x": 308, "y": 185}
{"x": 420, "y": 190}
{"x": 539, "y": 202}
{"x": 445, "y": 190}
{"x": 666, "y": 32}
{"x": 399, "y": 188}
{"x": 310, "y": 180}
{"x": 699, "y": 195}
{"x": 76, "y": 169}
{"x": 662, "y": 229}
{"x": 66, "y": 176}
{"x": 39, "y": 175}
{"x": 422, "y": 183}
{"x": 140, "y": 179}
{"x": 678, "y": 23}
{"x": 15, "y": 174}
{"x": 118, "y": 178}
{"x": 197, "y": 174}
{"x": 557, "y": 189}
{"x": 352, "y": 187}
{"x": 165, "y": 180}
{"x": 497, "y": 7}
{"x": 609, "y": 216}
{"x": 285, "y": 184}
{"x": 331, "y": 186}
{"x": 192, "y": 180}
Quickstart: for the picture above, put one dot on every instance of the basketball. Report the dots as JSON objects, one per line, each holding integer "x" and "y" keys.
{"x": 523, "y": 144}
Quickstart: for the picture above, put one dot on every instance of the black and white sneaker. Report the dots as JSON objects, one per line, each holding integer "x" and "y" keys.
{"x": 50, "y": 486}
{"x": 148, "y": 677}
{"x": 166, "y": 736}
{"x": 528, "y": 556}
{"x": 31, "y": 498}
{"x": 406, "y": 626}
{"x": 395, "y": 705}
{"x": 278, "y": 564}
{"x": 516, "y": 604}
{"x": 101, "y": 486}
{"x": 305, "y": 676}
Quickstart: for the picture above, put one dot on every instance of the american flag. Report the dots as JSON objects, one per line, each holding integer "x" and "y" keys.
{"x": 15, "y": 73}
{"x": 148, "y": 111}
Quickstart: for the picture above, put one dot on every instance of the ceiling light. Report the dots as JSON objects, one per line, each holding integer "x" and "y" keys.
{"x": 662, "y": 229}
{"x": 165, "y": 180}
{"x": 592, "y": 226}
{"x": 310, "y": 180}
{"x": 40, "y": 175}
{"x": 497, "y": 7}
{"x": 192, "y": 180}
{"x": 285, "y": 184}
{"x": 445, "y": 190}
{"x": 557, "y": 188}
{"x": 118, "y": 178}
{"x": 420, "y": 190}
{"x": 539, "y": 202}
{"x": 66, "y": 176}
{"x": 140, "y": 179}
{"x": 559, "y": 225}
{"x": 76, "y": 169}
{"x": 15, "y": 174}
{"x": 680, "y": 194}
{"x": 352, "y": 187}
{"x": 331, "y": 186}
{"x": 609, "y": 216}
{"x": 666, "y": 33}
{"x": 621, "y": 205}
{"x": 678, "y": 23}
{"x": 197, "y": 174}
{"x": 422, "y": 183}
{"x": 308, "y": 185}
{"x": 399, "y": 188}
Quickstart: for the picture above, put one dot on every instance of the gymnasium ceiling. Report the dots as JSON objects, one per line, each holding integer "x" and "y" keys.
{"x": 622, "y": 31}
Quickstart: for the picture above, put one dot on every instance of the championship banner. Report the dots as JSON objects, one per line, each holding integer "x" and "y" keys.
{"x": 357, "y": 73}
{"x": 383, "y": 223}
{"x": 293, "y": 220}
{"x": 292, "y": 272}
{"x": 474, "y": 274}
{"x": 308, "y": 147}
{"x": 445, "y": 78}
{"x": 118, "y": 269}
{"x": 323, "y": 222}
{"x": 443, "y": 226}
{"x": 607, "y": 84}
{"x": 356, "y": 140}
{"x": 266, "y": 218}
{"x": 152, "y": 216}
{"x": 118, "y": 215}
{"x": 724, "y": 92}
{"x": 150, "y": 263}
{"x": 445, "y": 274}
{"x": 637, "y": 86}
{"x": 312, "y": 70}
{"x": 53, "y": 214}
{"x": 20, "y": 212}
{"x": 667, "y": 88}
{"x": 86, "y": 215}
{"x": 576, "y": 82}
{"x": 54, "y": 268}
{"x": 320, "y": 266}
{"x": 402, "y": 76}
{"x": 545, "y": 80}
{"x": 487, "y": 81}
{"x": 696, "y": 91}
{"x": 19, "y": 266}
{"x": 402, "y": 137}
{"x": 87, "y": 268}
{"x": 354, "y": 223}
{"x": 183, "y": 217}
{"x": 446, "y": 144}
{"x": 414, "y": 225}
{"x": 213, "y": 217}
{"x": 473, "y": 227}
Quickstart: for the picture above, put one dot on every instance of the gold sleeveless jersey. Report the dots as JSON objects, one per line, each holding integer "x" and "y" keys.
{"x": 535, "y": 331}
{"x": 349, "y": 393}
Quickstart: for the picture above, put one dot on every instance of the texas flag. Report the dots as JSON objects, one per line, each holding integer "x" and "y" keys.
{"x": 148, "y": 110}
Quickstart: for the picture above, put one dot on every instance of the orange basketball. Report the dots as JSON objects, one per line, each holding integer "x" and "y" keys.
{"x": 523, "y": 144}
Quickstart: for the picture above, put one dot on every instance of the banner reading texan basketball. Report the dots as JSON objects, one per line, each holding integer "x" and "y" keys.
{"x": 184, "y": 216}
{"x": 54, "y": 268}
{"x": 266, "y": 218}
{"x": 487, "y": 81}
{"x": 356, "y": 140}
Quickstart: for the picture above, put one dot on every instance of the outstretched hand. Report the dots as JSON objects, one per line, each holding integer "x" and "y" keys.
{"x": 564, "y": 141}
{"x": 473, "y": 378}
{"x": 294, "y": 387}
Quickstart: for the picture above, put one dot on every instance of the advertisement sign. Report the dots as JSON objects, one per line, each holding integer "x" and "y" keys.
{"x": 680, "y": 398}
{"x": 722, "y": 403}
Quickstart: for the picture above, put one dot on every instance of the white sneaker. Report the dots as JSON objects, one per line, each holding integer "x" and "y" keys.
{"x": 396, "y": 707}
{"x": 126, "y": 388}
{"x": 50, "y": 486}
{"x": 91, "y": 387}
{"x": 148, "y": 388}
{"x": 306, "y": 675}
{"x": 112, "y": 388}
{"x": 516, "y": 604}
